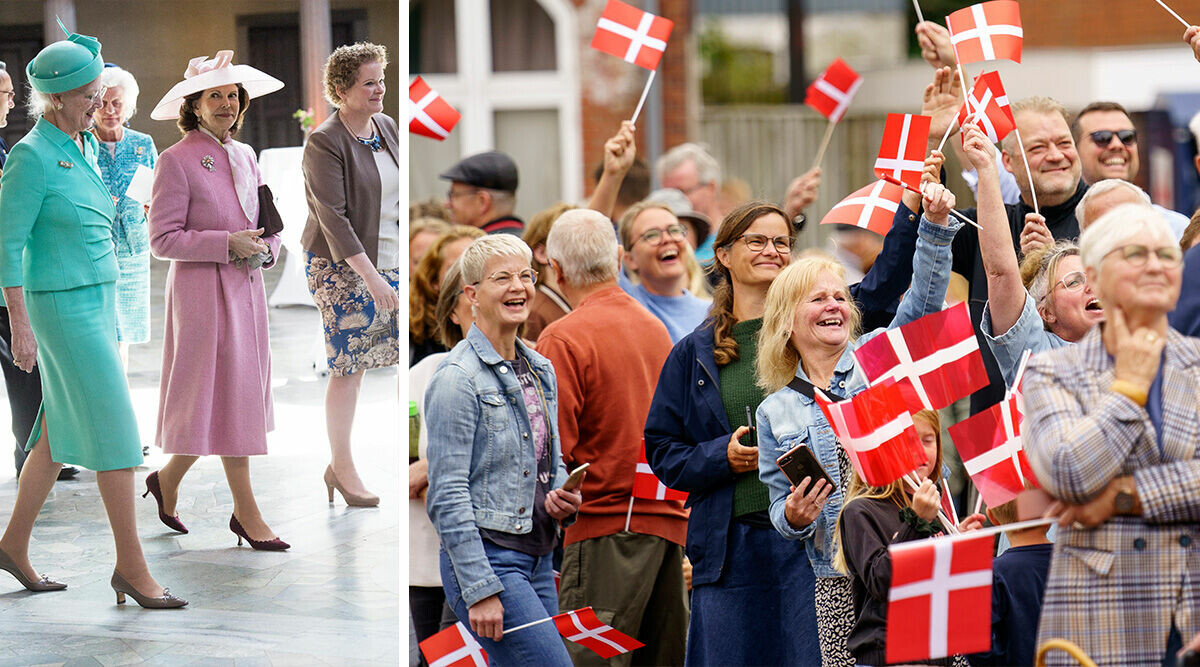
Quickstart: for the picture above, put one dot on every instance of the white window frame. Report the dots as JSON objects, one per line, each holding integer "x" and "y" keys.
{"x": 478, "y": 93}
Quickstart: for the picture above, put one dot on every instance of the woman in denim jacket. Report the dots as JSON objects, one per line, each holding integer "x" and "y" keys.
{"x": 808, "y": 332}
{"x": 495, "y": 464}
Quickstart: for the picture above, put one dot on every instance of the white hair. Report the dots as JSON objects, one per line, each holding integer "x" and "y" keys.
{"x": 38, "y": 103}
{"x": 474, "y": 259}
{"x": 115, "y": 77}
{"x": 584, "y": 244}
{"x": 707, "y": 167}
{"x": 1125, "y": 222}
{"x": 1100, "y": 187}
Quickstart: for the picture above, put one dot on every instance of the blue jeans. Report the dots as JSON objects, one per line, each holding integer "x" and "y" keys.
{"x": 529, "y": 595}
{"x": 762, "y": 610}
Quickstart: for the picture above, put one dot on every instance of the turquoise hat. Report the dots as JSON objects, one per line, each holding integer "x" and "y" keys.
{"x": 65, "y": 65}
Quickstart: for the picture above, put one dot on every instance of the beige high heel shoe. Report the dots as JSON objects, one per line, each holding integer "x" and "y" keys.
{"x": 123, "y": 588}
{"x": 40, "y": 586}
{"x": 331, "y": 483}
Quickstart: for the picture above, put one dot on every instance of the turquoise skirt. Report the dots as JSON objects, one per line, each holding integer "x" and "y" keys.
{"x": 85, "y": 399}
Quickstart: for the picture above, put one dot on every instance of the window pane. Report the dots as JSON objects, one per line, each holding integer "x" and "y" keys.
{"x": 532, "y": 139}
{"x": 432, "y": 44}
{"x": 522, "y": 37}
{"x": 426, "y": 159}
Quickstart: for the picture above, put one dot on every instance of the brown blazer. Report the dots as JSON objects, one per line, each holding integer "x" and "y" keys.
{"x": 341, "y": 182}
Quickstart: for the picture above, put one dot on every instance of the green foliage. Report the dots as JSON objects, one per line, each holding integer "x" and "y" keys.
{"x": 736, "y": 74}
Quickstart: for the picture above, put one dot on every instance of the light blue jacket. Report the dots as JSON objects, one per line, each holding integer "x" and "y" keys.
{"x": 1028, "y": 333}
{"x": 787, "y": 418}
{"x": 482, "y": 463}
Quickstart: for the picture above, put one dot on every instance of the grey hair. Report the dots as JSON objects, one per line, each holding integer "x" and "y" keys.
{"x": 1125, "y": 222}
{"x": 707, "y": 167}
{"x": 475, "y": 258}
{"x": 584, "y": 244}
{"x": 38, "y": 103}
{"x": 1048, "y": 261}
{"x": 1100, "y": 187}
{"x": 115, "y": 77}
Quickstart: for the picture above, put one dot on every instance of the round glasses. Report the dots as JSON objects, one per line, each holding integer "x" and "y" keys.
{"x": 504, "y": 278}
{"x": 1072, "y": 282}
{"x": 758, "y": 242}
{"x": 1170, "y": 256}
{"x": 655, "y": 235}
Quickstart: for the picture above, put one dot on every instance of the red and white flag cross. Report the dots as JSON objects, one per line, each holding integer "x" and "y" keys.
{"x": 831, "y": 93}
{"x": 454, "y": 647}
{"x": 647, "y": 485}
{"x": 871, "y": 207}
{"x": 935, "y": 360}
{"x": 940, "y": 602}
{"x": 584, "y": 628}
{"x": 877, "y": 432}
{"x": 992, "y": 451}
{"x": 987, "y": 31}
{"x": 429, "y": 114}
{"x": 631, "y": 34}
{"x": 902, "y": 151}
{"x": 988, "y": 105}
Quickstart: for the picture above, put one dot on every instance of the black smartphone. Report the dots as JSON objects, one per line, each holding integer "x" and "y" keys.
{"x": 800, "y": 462}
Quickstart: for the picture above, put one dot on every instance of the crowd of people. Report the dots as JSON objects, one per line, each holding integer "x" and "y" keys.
{"x": 74, "y": 261}
{"x": 676, "y": 332}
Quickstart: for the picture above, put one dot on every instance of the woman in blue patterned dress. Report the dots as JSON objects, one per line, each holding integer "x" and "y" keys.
{"x": 122, "y": 151}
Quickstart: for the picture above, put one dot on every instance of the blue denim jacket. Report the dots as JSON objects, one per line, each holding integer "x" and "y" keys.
{"x": 787, "y": 418}
{"x": 1028, "y": 333}
{"x": 481, "y": 455}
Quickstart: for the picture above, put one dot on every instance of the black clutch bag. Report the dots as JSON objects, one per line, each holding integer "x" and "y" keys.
{"x": 269, "y": 219}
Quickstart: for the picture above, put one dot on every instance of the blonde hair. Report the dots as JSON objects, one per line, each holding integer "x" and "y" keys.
{"x": 897, "y": 491}
{"x": 777, "y": 355}
{"x": 1037, "y": 104}
{"x": 538, "y": 229}
{"x": 423, "y": 289}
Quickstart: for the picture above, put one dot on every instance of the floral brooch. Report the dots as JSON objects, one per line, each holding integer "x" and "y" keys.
{"x": 208, "y": 162}
{"x": 140, "y": 150}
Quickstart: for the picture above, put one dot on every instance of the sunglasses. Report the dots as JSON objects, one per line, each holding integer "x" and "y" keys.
{"x": 1103, "y": 137}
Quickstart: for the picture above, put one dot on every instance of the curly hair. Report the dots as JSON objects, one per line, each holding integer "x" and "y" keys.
{"x": 341, "y": 68}
{"x": 189, "y": 120}
{"x": 725, "y": 348}
{"x": 423, "y": 289}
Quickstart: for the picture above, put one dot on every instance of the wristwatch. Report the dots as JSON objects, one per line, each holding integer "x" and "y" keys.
{"x": 1124, "y": 502}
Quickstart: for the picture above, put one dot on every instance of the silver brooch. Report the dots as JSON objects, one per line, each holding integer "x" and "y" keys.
{"x": 140, "y": 150}
{"x": 208, "y": 162}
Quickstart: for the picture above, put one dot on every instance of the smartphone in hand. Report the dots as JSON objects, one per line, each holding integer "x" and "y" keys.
{"x": 800, "y": 462}
{"x": 576, "y": 478}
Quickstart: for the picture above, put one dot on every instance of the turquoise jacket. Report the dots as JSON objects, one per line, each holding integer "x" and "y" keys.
{"x": 56, "y": 215}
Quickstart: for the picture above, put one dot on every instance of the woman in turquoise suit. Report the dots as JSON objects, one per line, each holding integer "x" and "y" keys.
{"x": 58, "y": 268}
{"x": 122, "y": 151}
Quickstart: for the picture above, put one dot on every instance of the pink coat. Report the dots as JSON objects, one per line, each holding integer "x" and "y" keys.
{"x": 215, "y": 392}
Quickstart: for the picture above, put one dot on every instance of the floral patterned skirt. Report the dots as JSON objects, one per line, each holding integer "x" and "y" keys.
{"x": 357, "y": 338}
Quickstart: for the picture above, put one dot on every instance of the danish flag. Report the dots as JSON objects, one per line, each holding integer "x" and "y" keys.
{"x": 935, "y": 360}
{"x": 429, "y": 114}
{"x": 990, "y": 445}
{"x": 830, "y": 94}
{"x": 631, "y": 34}
{"x": 584, "y": 628}
{"x": 454, "y": 647}
{"x": 877, "y": 432}
{"x": 988, "y": 105}
{"x": 902, "y": 152}
{"x": 648, "y": 486}
{"x": 940, "y": 602}
{"x": 871, "y": 207}
{"x": 987, "y": 31}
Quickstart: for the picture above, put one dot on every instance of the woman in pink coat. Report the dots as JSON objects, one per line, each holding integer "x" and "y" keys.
{"x": 215, "y": 392}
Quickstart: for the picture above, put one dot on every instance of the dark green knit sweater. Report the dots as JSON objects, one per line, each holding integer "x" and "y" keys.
{"x": 738, "y": 391}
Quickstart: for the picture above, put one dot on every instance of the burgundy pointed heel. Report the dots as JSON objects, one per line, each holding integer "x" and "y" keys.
{"x": 274, "y": 544}
{"x": 172, "y": 522}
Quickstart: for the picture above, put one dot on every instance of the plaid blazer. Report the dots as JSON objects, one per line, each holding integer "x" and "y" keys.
{"x": 1115, "y": 590}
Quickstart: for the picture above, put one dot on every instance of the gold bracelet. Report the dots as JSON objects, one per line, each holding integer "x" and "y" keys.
{"x": 1129, "y": 390}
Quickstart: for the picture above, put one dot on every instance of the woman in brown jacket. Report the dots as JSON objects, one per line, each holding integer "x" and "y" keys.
{"x": 352, "y": 244}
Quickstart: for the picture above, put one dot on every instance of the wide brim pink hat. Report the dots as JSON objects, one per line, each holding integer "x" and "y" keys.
{"x": 204, "y": 73}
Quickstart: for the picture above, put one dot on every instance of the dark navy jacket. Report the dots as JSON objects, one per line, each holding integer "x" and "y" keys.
{"x": 1186, "y": 318}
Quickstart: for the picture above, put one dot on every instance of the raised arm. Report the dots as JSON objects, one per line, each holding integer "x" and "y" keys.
{"x": 619, "y": 152}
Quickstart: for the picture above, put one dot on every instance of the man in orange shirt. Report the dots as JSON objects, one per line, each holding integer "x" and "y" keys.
{"x": 624, "y": 557}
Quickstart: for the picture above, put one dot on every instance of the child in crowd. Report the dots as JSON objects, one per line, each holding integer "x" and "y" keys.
{"x": 1018, "y": 585}
{"x": 875, "y": 518}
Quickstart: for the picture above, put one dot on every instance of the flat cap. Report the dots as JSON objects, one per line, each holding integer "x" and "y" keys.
{"x": 492, "y": 170}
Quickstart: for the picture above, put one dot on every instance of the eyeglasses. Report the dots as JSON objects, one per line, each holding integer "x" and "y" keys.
{"x": 1170, "y": 256}
{"x": 505, "y": 278}
{"x": 1103, "y": 137}
{"x": 757, "y": 242}
{"x": 99, "y": 94}
{"x": 655, "y": 236}
{"x": 11, "y": 94}
{"x": 1072, "y": 282}
{"x": 452, "y": 193}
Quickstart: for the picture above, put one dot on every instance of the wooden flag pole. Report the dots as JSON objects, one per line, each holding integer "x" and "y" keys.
{"x": 824, "y": 143}
{"x": 1032, "y": 190}
{"x": 527, "y": 625}
{"x": 645, "y": 91}
{"x": 953, "y": 509}
{"x": 953, "y": 212}
{"x": 978, "y": 503}
{"x": 949, "y": 129}
{"x": 629, "y": 514}
{"x": 920, "y": 16}
{"x": 1164, "y": 6}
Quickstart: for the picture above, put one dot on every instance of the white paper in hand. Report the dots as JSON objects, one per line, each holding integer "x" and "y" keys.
{"x": 141, "y": 185}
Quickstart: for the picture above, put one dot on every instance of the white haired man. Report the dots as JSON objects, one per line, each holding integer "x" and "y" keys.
{"x": 692, "y": 170}
{"x": 623, "y": 557}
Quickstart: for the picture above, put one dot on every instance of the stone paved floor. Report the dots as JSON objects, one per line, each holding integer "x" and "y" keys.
{"x": 333, "y": 599}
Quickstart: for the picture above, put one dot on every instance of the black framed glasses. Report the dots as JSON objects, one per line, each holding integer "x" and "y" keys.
{"x": 655, "y": 235}
{"x": 1170, "y": 256}
{"x": 758, "y": 242}
{"x": 1103, "y": 137}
